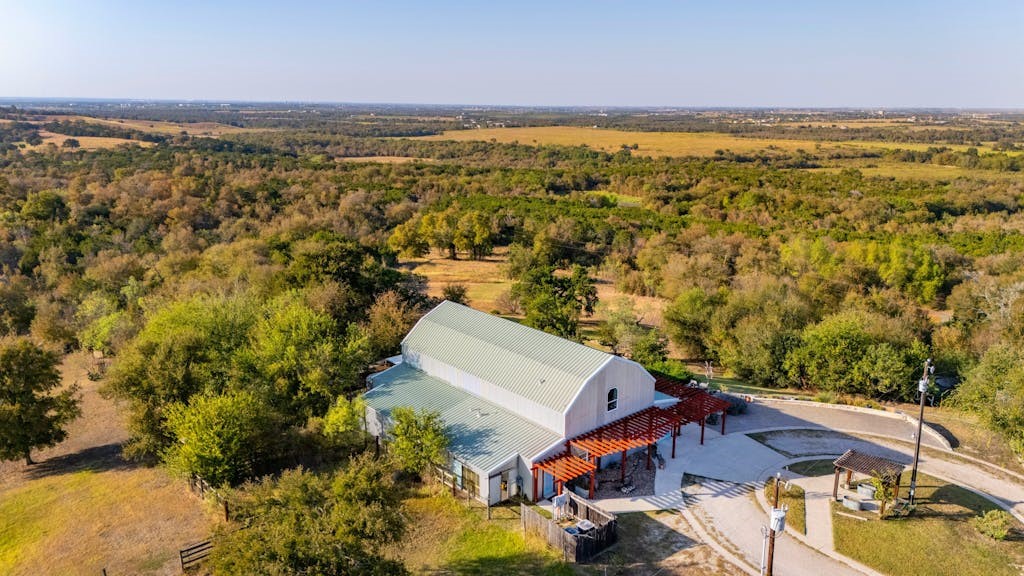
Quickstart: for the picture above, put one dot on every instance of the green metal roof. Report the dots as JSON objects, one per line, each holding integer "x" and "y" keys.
{"x": 485, "y": 441}
{"x": 536, "y": 365}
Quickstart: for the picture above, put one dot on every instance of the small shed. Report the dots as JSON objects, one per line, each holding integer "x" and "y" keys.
{"x": 853, "y": 461}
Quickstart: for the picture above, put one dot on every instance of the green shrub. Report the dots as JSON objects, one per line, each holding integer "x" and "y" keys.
{"x": 737, "y": 405}
{"x": 826, "y": 397}
{"x": 994, "y": 524}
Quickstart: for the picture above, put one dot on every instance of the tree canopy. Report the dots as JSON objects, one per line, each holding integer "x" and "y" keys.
{"x": 33, "y": 414}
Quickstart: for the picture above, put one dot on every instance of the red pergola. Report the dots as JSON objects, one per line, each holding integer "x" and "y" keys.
{"x": 694, "y": 405}
{"x": 639, "y": 429}
{"x": 643, "y": 428}
{"x": 564, "y": 467}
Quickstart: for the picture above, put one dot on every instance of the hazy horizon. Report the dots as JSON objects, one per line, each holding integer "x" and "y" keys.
{"x": 914, "y": 55}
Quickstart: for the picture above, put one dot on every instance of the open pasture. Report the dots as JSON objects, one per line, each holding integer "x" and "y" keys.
{"x": 159, "y": 127}
{"x": 85, "y": 142}
{"x": 663, "y": 143}
{"x": 82, "y": 507}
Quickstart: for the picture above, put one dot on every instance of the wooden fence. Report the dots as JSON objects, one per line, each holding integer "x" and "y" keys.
{"x": 575, "y": 548}
{"x": 194, "y": 554}
{"x": 203, "y": 489}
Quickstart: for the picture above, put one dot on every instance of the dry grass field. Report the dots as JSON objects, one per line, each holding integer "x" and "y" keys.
{"x": 914, "y": 171}
{"x": 383, "y": 159}
{"x": 85, "y": 142}
{"x": 485, "y": 280}
{"x": 155, "y": 126}
{"x": 650, "y": 143}
{"x": 83, "y": 508}
{"x": 660, "y": 143}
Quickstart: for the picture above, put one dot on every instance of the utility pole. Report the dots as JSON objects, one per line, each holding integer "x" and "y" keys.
{"x": 777, "y": 524}
{"x": 922, "y": 387}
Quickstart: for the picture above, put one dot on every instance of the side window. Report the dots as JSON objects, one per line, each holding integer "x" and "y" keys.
{"x": 613, "y": 399}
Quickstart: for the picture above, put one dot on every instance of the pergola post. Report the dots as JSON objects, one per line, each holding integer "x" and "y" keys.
{"x": 849, "y": 478}
{"x": 723, "y": 422}
{"x": 648, "y": 456}
{"x": 702, "y": 431}
{"x": 835, "y": 486}
{"x": 623, "y": 467}
{"x": 593, "y": 473}
{"x": 673, "y": 446}
{"x": 536, "y": 495}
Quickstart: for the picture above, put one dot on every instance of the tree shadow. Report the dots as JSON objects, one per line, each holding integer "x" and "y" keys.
{"x": 524, "y": 563}
{"x": 104, "y": 458}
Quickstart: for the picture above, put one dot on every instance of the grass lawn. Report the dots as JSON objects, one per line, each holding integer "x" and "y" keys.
{"x": 938, "y": 538}
{"x": 82, "y": 508}
{"x": 793, "y": 497}
{"x": 447, "y": 536}
{"x": 129, "y": 521}
{"x": 812, "y": 468}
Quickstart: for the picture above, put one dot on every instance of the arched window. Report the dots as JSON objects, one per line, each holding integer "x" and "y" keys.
{"x": 613, "y": 399}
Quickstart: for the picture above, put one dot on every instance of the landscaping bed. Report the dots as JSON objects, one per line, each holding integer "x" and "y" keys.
{"x": 793, "y": 497}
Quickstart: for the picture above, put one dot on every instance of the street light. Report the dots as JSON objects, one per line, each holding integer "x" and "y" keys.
{"x": 922, "y": 387}
{"x": 777, "y": 524}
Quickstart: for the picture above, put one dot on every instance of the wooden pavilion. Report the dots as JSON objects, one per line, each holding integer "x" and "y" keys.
{"x": 852, "y": 461}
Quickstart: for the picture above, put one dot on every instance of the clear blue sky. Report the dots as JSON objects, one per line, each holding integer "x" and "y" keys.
{"x": 598, "y": 52}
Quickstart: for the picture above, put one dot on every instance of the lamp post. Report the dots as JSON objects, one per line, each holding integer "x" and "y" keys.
{"x": 922, "y": 387}
{"x": 777, "y": 523}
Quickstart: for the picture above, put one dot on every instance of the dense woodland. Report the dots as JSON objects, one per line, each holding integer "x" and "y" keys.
{"x": 253, "y": 278}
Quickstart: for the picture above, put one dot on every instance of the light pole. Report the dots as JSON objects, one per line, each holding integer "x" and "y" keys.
{"x": 922, "y": 387}
{"x": 777, "y": 523}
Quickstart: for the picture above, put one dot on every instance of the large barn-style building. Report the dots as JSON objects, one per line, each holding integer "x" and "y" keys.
{"x": 525, "y": 410}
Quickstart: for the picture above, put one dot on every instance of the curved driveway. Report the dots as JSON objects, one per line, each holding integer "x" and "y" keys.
{"x": 733, "y": 465}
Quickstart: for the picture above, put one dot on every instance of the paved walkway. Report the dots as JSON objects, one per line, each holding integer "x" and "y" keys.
{"x": 725, "y": 501}
{"x": 736, "y": 517}
{"x": 818, "y": 501}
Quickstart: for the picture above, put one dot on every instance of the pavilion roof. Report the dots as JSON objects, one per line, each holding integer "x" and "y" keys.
{"x": 867, "y": 464}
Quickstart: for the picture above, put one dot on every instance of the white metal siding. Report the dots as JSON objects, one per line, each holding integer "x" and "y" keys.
{"x": 508, "y": 400}
{"x": 590, "y": 410}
